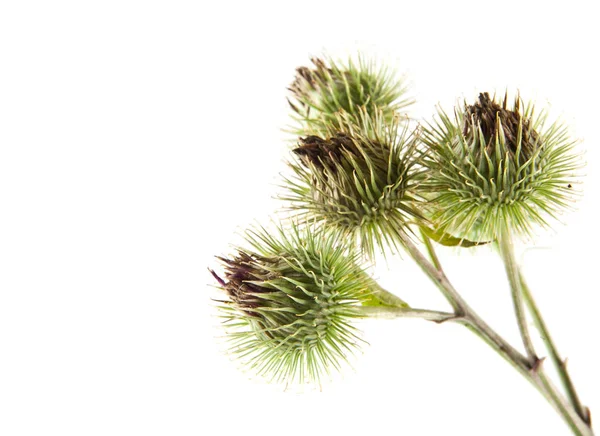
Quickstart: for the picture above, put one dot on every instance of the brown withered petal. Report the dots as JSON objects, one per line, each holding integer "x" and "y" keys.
{"x": 484, "y": 114}
{"x": 325, "y": 152}
{"x": 239, "y": 272}
{"x": 306, "y": 79}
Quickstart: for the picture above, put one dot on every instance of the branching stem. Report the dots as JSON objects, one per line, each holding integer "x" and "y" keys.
{"x": 530, "y": 367}
{"x": 462, "y": 310}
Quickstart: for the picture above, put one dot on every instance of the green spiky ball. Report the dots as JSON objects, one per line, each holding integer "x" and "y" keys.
{"x": 492, "y": 166}
{"x": 290, "y": 303}
{"x": 320, "y": 93}
{"x": 359, "y": 180}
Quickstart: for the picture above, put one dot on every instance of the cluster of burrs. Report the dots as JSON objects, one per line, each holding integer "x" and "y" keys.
{"x": 365, "y": 179}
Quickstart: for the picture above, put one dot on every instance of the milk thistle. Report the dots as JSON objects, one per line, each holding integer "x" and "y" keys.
{"x": 364, "y": 179}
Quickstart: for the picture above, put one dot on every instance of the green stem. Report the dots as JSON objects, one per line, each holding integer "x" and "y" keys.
{"x": 531, "y": 370}
{"x": 431, "y": 250}
{"x": 512, "y": 271}
{"x": 401, "y": 312}
{"x": 558, "y": 362}
{"x": 577, "y": 425}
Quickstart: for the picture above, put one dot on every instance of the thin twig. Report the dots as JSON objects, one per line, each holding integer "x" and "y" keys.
{"x": 558, "y": 362}
{"x": 431, "y": 251}
{"x": 506, "y": 249}
{"x": 400, "y": 312}
{"x": 577, "y": 425}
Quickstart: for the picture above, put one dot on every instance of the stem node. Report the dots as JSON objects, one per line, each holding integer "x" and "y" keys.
{"x": 537, "y": 365}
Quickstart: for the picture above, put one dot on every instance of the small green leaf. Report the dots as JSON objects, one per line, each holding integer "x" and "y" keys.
{"x": 449, "y": 240}
{"x": 380, "y": 297}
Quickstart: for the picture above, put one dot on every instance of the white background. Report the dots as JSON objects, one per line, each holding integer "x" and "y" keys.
{"x": 137, "y": 137}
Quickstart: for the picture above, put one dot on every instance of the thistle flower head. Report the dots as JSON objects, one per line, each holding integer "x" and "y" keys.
{"x": 494, "y": 166}
{"x": 358, "y": 180}
{"x": 321, "y": 92}
{"x": 290, "y": 302}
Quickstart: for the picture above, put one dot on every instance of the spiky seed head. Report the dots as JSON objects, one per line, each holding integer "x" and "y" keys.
{"x": 493, "y": 166}
{"x": 290, "y": 302}
{"x": 359, "y": 180}
{"x": 329, "y": 87}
